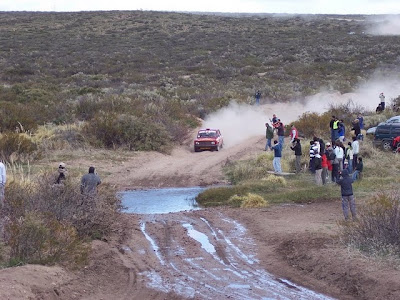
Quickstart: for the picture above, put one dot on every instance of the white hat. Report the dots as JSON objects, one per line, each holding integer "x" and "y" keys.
{"x": 61, "y": 165}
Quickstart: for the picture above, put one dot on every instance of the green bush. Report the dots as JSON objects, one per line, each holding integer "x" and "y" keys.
{"x": 113, "y": 131}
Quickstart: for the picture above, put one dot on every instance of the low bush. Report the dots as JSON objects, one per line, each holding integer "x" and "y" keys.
{"x": 49, "y": 222}
{"x": 113, "y": 130}
{"x": 16, "y": 146}
{"x": 253, "y": 200}
{"x": 377, "y": 231}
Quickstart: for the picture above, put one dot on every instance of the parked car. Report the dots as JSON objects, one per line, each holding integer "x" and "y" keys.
{"x": 208, "y": 139}
{"x": 385, "y": 133}
{"x": 371, "y": 131}
{"x": 392, "y": 120}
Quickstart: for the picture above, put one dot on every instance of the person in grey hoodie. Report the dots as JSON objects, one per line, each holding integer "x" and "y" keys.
{"x": 89, "y": 183}
{"x": 346, "y": 187}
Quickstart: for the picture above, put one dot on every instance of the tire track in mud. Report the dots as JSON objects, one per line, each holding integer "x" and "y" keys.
{"x": 193, "y": 258}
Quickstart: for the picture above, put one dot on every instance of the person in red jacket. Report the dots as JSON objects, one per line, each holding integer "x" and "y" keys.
{"x": 294, "y": 134}
{"x": 324, "y": 165}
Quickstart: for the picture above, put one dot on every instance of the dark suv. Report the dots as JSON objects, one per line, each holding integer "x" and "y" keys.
{"x": 385, "y": 133}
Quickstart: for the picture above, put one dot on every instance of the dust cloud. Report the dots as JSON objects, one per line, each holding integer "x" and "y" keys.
{"x": 385, "y": 25}
{"x": 238, "y": 122}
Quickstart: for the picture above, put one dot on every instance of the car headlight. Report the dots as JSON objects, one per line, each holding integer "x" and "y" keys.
{"x": 212, "y": 143}
{"x": 197, "y": 143}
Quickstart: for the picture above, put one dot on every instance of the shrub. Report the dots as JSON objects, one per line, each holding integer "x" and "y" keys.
{"x": 48, "y": 222}
{"x": 377, "y": 231}
{"x": 253, "y": 200}
{"x": 113, "y": 130}
{"x": 16, "y": 146}
{"x": 41, "y": 239}
{"x": 275, "y": 180}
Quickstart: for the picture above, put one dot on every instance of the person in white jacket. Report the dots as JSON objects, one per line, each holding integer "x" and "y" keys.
{"x": 356, "y": 149}
{"x": 2, "y": 183}
{"x": 339, "y": 156}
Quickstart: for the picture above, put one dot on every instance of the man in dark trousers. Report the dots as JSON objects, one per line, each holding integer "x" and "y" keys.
{"x": 296, "y": 147}
{"x": 346, "y": 187}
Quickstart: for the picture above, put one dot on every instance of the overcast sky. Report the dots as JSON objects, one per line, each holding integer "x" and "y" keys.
{"x": 251, "y": 6}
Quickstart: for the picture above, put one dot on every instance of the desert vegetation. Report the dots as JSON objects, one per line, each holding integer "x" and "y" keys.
{"x": 166, "y": 70}
{"x": 141, "y": 81}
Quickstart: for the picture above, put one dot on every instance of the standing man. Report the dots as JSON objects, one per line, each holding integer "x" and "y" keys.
{"x": 382, "y": 99}
{"x": 346, "y": 187}
{"x": 356, "y": 149}
{"x": 269, "y": 134}
{"x": 281, "y": 132}
{"x": 89, "y": 183}
{"x": 294, "y": 134}
{"x": 318, "y": 168}
{"x": 277, "y": 147}
{"x": 2, "y": 183}
{"x": 339, "y": 153}
{"x": 296, "y": 147}
{"x": 258, "y": 96}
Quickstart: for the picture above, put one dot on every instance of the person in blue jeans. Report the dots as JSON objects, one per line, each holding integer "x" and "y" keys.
{"x": 258, "y": 96}
{"x": 359, "y": 168}
{"x": 277, "y": 147}
{"x": 346, "y": 188}
{"x": 269, "y": 134}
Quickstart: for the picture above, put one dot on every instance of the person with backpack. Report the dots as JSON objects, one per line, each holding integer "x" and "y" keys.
{"x": 269, "y": 134}
{"x": 346, "y": 188}
{"x": 332, "y": 159}
{"x": 296, "y": 147}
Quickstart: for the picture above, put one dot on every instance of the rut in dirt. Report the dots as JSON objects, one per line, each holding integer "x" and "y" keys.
{"x": 209, "y": 257}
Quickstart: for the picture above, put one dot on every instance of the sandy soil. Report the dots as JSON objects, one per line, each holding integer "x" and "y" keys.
{"x": 281, "y": 252}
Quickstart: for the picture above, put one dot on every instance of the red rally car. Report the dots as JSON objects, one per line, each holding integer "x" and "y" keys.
{"x": 208, "y": 139}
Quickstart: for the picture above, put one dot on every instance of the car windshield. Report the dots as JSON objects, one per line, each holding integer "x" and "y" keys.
{"x": 207, "y": 134}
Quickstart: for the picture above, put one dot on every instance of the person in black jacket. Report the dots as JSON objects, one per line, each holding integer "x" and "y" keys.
{"x": 346, "y": 187}
{"x": 296, "y": 147}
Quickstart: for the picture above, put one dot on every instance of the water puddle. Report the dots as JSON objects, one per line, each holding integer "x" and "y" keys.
{"x": 160, "y": 201}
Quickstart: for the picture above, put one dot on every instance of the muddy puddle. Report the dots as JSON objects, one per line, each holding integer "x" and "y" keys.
{"x": 160, "y": 201}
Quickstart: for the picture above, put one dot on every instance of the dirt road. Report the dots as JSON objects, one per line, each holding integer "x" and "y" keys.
{"x": 282, "y": 252}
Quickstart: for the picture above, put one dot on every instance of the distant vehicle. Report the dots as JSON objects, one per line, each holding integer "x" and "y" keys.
{"x": 208, "y": 139}
{"x": 385, "y": 133}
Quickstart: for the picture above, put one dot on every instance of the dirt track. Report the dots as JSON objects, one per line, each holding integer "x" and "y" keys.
{"x": 217, "y": 253}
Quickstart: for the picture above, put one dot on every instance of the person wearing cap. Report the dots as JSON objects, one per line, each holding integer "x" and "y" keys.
{"x": 2, "y": 183}
{"x": 62, "y": 173}
{"x": 89, "y": 183}
{"x": 294, "y": 134}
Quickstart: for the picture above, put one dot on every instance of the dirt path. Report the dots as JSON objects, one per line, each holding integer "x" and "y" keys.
{"x": 282, "y": 252}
